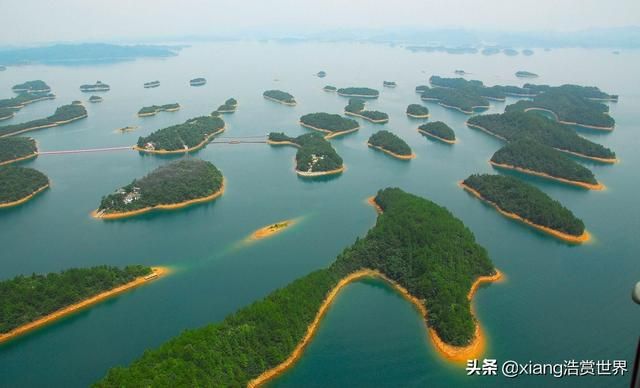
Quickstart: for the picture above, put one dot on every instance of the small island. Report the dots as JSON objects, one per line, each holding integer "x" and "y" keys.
{"x": 330, "y": 89}
{"x": 188, "y": 136}
{"x": 94, "y": 99}
{"x": 460, "y": 72}
{"x": 280, "y": 97}
{"x": 63, "y": 115}
{"x": 151, "y": 84}
{"x": 527, "y": 52}
{"x": 15, "y": 149}
{"x": 439, "y": 131}
{"x": 35, "y": 300}
{"x": 391, "y": 144}
{"x": 521, "y": 201}
{"x": 315, "y": 156}
{"x": 510, "y": 52}
{"x": 154, "y": 109}
{"x": 356, "y": 108}
{"x": 229, "y": 106}
{"x": 321, "y": 74}
{"x": 20, "y": 184}
{"x": 358, "y": 92}
{"x": 172, "y": 186}
{"x": 525, "y": 74}
{"x": 389, "y": 84}
{"x": 271, "y": 230}
{"x": 97, "y": 87}
{"x": 331, "y": 124}
{"x": 418, "y": 111}
{"x": 36, "y": 86}
{"x": 198, "y": 81}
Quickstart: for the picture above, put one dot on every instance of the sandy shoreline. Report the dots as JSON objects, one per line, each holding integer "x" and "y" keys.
{"x": 555, "y": 115}
{"x": 397, "y": 156}
{"x": 419, "y": 116}
{"x": 156, "y": 273}
{"x": 320, "y": 173}
{"x": 437, "y": 137}
{"x": 280, "y": 102}
{"x": 382, "y": 121}
{"x": 358, "y": 95}
{"x": 25, "y": 199}
{"x": 185, "y": 150}
{"x": 590, "y": 186}
{"x": 271, "y": 229}
{"x": 30, "y": 156}
{"x": 329, "y": 134}
{"x": 272, "y": 142}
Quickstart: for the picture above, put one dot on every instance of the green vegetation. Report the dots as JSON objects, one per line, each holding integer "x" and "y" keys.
{"x": 62, "y": 115}
{"x": 23, "y": 99}
{"x": 315, "y": 154}
{"x": 389, "y": 84}
{"x": 19, "y": 182}
{"x": 322, "y": 74}
{"x": 356, "y": 108}
{"x": 525, "y": 74}
{"x": 229, "y": 106}
{"x": 465, "y": 102}
{"x": 329, "y": 122}
{"x": 183, "y": 136}
{"x": 198, "y": 81}
{"x": 532, "y": 155}
{"x": 415, "y": 242}
{"x": 280, "y": 96}
{"x": 390, "y": 142}
{"x": 417, "y": 110}
{"x": 471, "y": 88}
{"x": 153, "y": 109}
{"x": 151, "y": 84}
{"x": 25, "y": 299}
{"x": 172, "y": 183}
{"x": 329, "y": 88}
{"x": 359, "y": 92}
{"x": 517, "y": 125}
{"x": 588, "y": 92}
{"x": 438, "y": 129}
{"x": 95, "y": 99}
{"x": 12, "y": 148}
{"x": 97, "y": 87}
{"x": 6, "y": 113}
{"x": 36, "y": 86}
{"x": 515, "y": 196}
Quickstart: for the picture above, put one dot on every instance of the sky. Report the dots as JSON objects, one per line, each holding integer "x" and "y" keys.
{"x": 39, "y": 21}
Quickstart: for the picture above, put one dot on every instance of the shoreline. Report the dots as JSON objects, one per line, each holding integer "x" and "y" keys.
{"x": 112, "y": 216}
{"x": 280, "y": 102}
{"x": 272, "y": 142}
{"x": 397, "y": 156}
{"x": 583, "y": 238}
{"x": 442, "y": 139}
{"x": 156, "y": 273}
{"x": 25, "y": 199}
{"x": 555, "y": 115}
{"x": 358, "y": 95}
{"x": 381, "y": 121}
{"x": 418, "y": 116}
{"x": 30, "y": 156}
{"x": 185, "y": 150}
{"x": 320, "y": 173}
{"x": 329, "y": 134}
{"x": 585, "y": 185}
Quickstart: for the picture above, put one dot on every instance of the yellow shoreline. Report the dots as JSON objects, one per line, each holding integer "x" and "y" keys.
{"x": 280, "y": 102}
{"x": 185, "y": 150}
{"x": 367, "y": 118}
{"x": 419, "y": 116}
{"x": 329, "y": 134}
{"x": 272, "y": 229}
{"x": 30, "y": 156}
{"x": 25, "y": 199}
{"x": 437, "y": 137}
{"x": 589, "y": 186}
{"x": 283, "y": 143}
{"x": 583, "y": 238}
{"x": 156, "y": 273}
{"x": 397, "y": 156}
{"x": 320, "y": 173}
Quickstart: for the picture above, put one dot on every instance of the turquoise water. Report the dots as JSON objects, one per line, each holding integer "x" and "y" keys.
{"x": 558, "y": 302}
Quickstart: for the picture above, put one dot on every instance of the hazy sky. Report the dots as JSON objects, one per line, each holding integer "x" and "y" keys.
{"x": 28, "y": 21}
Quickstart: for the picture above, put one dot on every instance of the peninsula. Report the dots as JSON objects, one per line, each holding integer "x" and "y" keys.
{"x": 20, "y": 184}
{"x": 97, "y": 87}
{"x": 36, "y": 86}
{"x": 439, "y": 131}
{"x": 198, "y": 81}
{"x": 151, "y": 84}
{"x": 15, "y": 149}
{"x": 279, "y": 96}
{"x": 391, "y": 144}
{"x": 189, "y": 136}
{"x": 417, "y": 111}
{"x": 63, "y": 115}
{"x": 356, "y": 108}
{"x": 359, "y": 92}
{"x": 154, "y": 109}
{"x": 229, "y": 106}
{"x": 315, "y": 156}
{"x": 172, "y": 186}
{"x": 331, "y": 124}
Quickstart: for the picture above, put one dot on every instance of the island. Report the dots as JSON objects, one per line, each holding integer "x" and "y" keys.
{"x": 389, "y": 84}
{"x": 279, "y": 96}
{"x": 172, "y": 186}
{"x": 521, "y": 201}
{"x": 329, "y": 88}
{"x": 36, "y": 86}
{"x": 588, "y": 92}
{"x": 490, "y": 51}
{"x": 198, "y": 81}
{"x": 315, "y": 157}
{"x": 189, "y": 136}
{"x": 154, "y": 109}
{"x": 525, "y": 74}
{"x": 416, "y": 246}
{"x": 272, "y": 229}
{"x": 359, "y": 92}
{"x": 439, "y": 131}
{"x": 15, "y": 149}
{"x": 471, "y": 88}
{"x": 516, "y": 125}
{"x": 63, "y": 115}
{"x": 466, "y": 103}
{"x": 391, "y": 144}
{"x": 18, "y": 102}
{"x": 94, "y": 99}
{"x": 417, "y": 111}
{"x": 322, "y": 74}
{"x": 97, "y": 87}
{"x": 460, "y": 72}
{"x": 20, "y": 184}
{"x": 6, "y": 113}
{"x": 527, "y": 52}
{"x": 510, "y": 52}
{"x": 331, "y": 124}
{"x": 33, "y": 301}
{"x": 229, "y": 106}
{"x": 531, "y": 157}
{"x": 356, "y": 108}
{"x": 151, "y": 84}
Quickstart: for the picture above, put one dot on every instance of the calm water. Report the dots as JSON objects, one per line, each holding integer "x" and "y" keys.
{"x": 558, "y": 302}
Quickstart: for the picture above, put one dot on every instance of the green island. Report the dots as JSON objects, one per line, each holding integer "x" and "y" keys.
{"x": 526, "y": 203}
{"x": 439, "y": 131}
{"x": 466, "y": 103}
{"x": 356, "y": 108}
{"x": 472, "y": 87}
{"x": 321, "y": 74}
{"x": 532, "y": 157}
{"x": 18, "y": 102}
{"x": 198, "y": 81}
{"x": 36, "y": 86}
{"x": 391, "y": 144}
{"x": 171, "y": 186}
{"x": 525, "y": 74}
{"x": 97, "y": 87}
{"x": 20, "y": 184}
{"x": 188, "y": 136}
{"x": 329, "y": 88}
{"x": 389, "y": 84}
{"x": 331, "y": 124}
{"x": 63, "y": 115}
{"x": 229, "y": 106}
{"x": 279, "y": 96}
{"x": 151, "y": 84}
{"x": 14, "y": 149}
{"x": 154, "y": 109}
{"x": 95, "y": 99}
{"x": 588, "y": 92}
{"x": 430, "y": 256}
{"x": 517, "y": 125}
{"x": 417, "y": 111}
{"x": 358, "y": 92}
{"x": 315, "y": 155}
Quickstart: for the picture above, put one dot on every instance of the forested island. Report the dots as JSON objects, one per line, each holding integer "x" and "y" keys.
{"x": 154, "y": 109}
{"x": 95, "y": 99}
{"x": 151, "y": 84}
{"x": 517, "y": 125}
{"x": 588, "y": 92}
{"x": 32, "y": 301}
{"x": 531, "y": 157}
{"x": 279, "y": 96}
{"x": 329, "y": 88}
{"x": 526, "y": 74}
{"x": 389, "y": 84}
{"x": 97, "y": 87}
{"x": 229, "y": 106}
{"x": 456, "y": 99}
{"x": 18, "y": 102}
{"x": 391, "y": 144}
{"x": 331, "y": 124}
{"x": 417, "y": 111}
{"x": 36, "y": 86}
{"x": 470, "y": 88}
{"x": 439, "y": 131}
{"x": 6, "y": 113}
{"x": 356, "y": 108}
{"x": 358, "y": 92}
{"x": 63, "y": 115}
{"x": 188, "y": 136}
{"x": 20, "y": 184}
{"x": 315, "y": 155}
{"x": 198, "y": 81}
{"x": 420, "y": 248}
{"x": 526, "y": 203}
{"x": 14, "y": 149}
{"x": 171, "y": 186}
{"x": 321, "y": 74}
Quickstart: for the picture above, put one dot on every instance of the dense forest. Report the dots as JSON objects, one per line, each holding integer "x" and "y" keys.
{"x": 36, "y": 86}
{"x": 23, "y": 99}
{"x": 532, "y": 155}
{"x": 12, "y": 148}
{"x": 517, "y": 125}
{"x": 25, "y": 299}
{"x": 329, "y": 122}
{"x": 153, "y": 109}
{"x": 280, "y": 96}
{"x": 470, "y": 88}
{"x": 19, "y": 182}
{"x": 439, "y": 129}
{"x": 62, "y": 115}
{"x": 417, "y": 110}
{"x": 229, "y": 106}
{"x": 172, "y": 183}
{"x": 183, "y": 136}
{"x": 527, "y": 201}
{"x": 588, "y": 92}
{"x": 97, "y": 87}
{"x": 390, "y": 142}
{"x": 459, "y": 99}
{"x": 359, "y": 92}
{"x": 415, "y": 242}
{"x": 356, "y": 107}
{"x": 315, "y": 153}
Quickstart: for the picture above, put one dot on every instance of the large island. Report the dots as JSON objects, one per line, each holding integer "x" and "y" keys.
{"x": 63, "y": 115}
{"x": 359, "y": 92}
{"x": 20, "y": 184}
{"x": 315, "y": 156}
{"x": 391, "y": 144}
{"x": 188, "y": 136}
{"x": 356, "y": 108}
{"x": 331, "y": 124}
{"x": 15, "y": 149}
{"x": 280, "y": 97}
{"x": 439, "y": 131}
